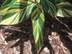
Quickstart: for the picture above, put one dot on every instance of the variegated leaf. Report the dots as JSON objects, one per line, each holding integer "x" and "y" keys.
{"x": 15, "y": 4}
{"x": 49, "y": 6}
{"x": 38, "y": 23}
{"x": 64, "y": 9}
{"x": 6, "y": 5}
{"x": 38, "y": 1}
{"x": 18, "y": 12}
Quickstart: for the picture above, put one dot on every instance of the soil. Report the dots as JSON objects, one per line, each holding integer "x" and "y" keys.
{"x": 18, "y": 39}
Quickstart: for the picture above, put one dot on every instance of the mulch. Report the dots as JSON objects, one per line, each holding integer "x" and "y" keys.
{"x": 57, "y": 38}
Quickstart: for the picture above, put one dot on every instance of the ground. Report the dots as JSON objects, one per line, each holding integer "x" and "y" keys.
{"x": 57, "y": 38}
{"x": 18, "y": 39}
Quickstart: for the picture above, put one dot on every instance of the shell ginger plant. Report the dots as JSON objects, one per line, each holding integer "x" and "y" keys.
{"x": 17, "y": 11}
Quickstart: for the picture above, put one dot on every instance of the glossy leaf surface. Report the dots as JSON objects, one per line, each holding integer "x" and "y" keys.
{"x": 64, "y": 9}
{"x": 18, "y": 12}
{"x": 38, "y": 23}
{"x": 6, "y": 5}
{"x": 49, "y": 6}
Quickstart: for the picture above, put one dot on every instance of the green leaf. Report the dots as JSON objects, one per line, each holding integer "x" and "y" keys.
{"x": 64, "y": 9}
{"x": 6, "y": 5}
{"x": 49, "y": 6}
{"x": 60, "y": 1}
{"x": 38, "y": 23}
{"x": 38, "y": 1}
{"x": 18, "y": 12}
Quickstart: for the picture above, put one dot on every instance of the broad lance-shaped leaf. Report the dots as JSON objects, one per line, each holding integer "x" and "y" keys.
{"x": 6, "y": 5}
{"x": 17, "y": 13}
{"x": 38, "y": 23}
{"x": 64, "y": 9}
{"x": 49, "y": 6}
{"x": 14, "y": 3}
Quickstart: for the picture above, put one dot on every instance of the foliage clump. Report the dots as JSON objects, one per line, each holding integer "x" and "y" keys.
{"x": 17, "y": 11}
